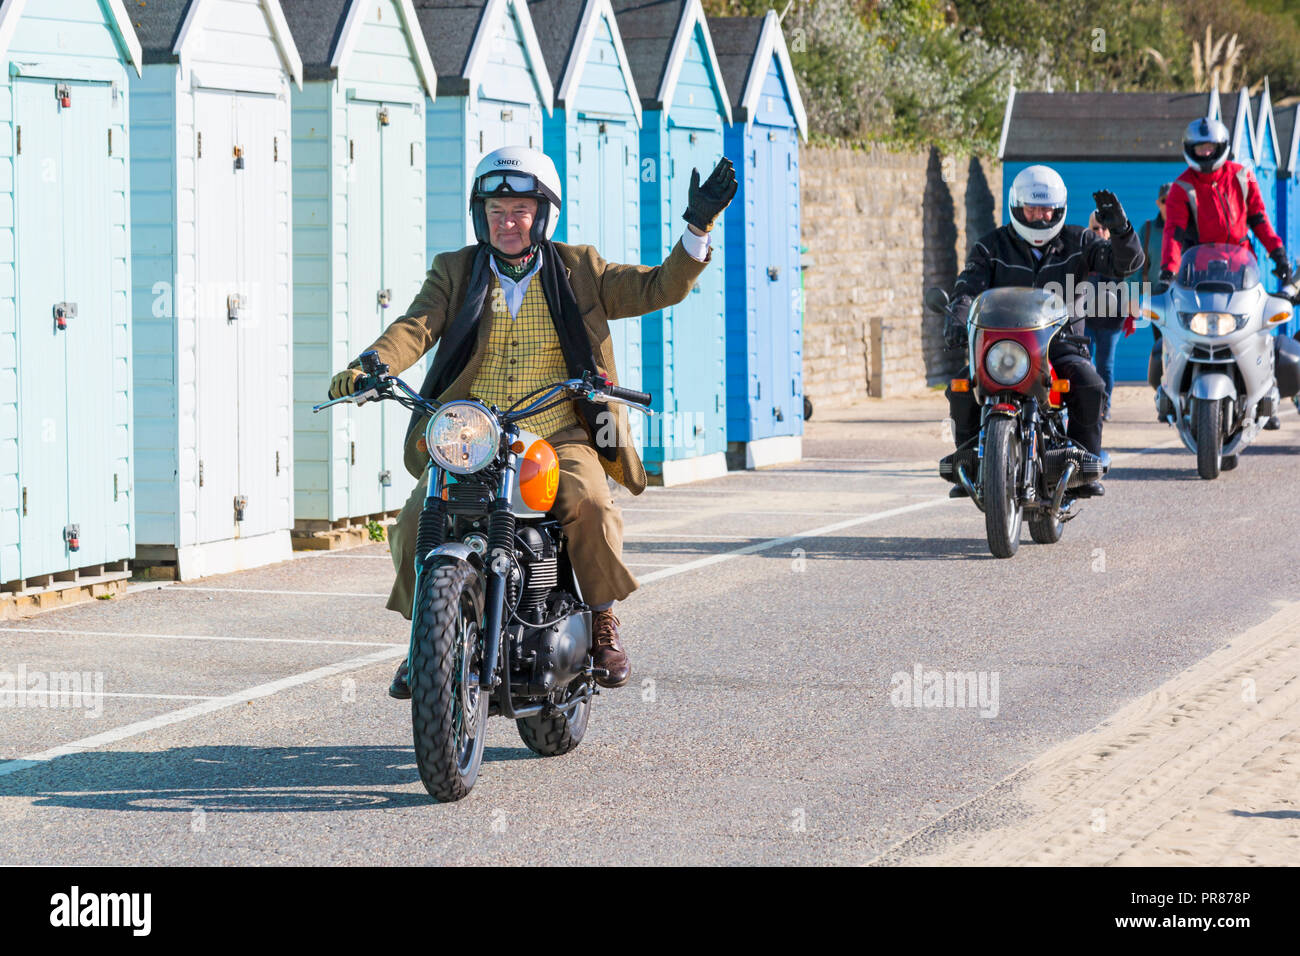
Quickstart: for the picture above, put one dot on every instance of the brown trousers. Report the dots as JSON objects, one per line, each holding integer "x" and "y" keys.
{"x": 584, "y": 508}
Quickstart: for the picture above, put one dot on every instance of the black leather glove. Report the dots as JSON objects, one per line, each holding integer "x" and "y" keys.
{"x": 1282, "y": 268}
{"x": 954, "y": 324}
{"x": 1161, "y": 285}
{"x": 705, "y": 202}
{"x": 1110, "y": 214}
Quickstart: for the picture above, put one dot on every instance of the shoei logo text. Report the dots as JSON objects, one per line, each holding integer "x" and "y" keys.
{"x": 923, "y": 688}
{"x": 507, "y": 162}
{"x": 102, "y": 909}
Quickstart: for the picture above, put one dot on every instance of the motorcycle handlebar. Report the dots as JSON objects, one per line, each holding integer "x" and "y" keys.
{"x": 629, "y": 395}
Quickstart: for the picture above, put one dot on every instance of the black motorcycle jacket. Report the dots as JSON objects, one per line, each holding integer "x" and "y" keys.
{"x": 1003, "y": 258}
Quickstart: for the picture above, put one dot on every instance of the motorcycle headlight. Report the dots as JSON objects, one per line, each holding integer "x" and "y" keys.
{"x": 1007, "y": 362}
{"x": 463, "y": 437}
{"x": 1212, "y": 323}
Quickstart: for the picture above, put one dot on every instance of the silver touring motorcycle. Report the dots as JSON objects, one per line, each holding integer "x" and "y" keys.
{"x": 1225, "y": 372}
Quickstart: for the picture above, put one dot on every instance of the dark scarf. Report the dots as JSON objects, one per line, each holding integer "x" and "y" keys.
{"x": 516, "y": 272}
{"x": 457, "y": 344}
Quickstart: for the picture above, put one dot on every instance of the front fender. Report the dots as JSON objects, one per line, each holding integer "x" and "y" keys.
{"x": 458, "y": 551}
{"x": 1210, "y": 386}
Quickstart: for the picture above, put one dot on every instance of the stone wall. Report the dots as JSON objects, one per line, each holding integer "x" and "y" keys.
{"x": 880, "y": 227}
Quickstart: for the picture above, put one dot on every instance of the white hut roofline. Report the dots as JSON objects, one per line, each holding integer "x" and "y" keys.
{"x": 572, "y": 79}
{"x": 355, "y": 23}
{"x": 692, "y": 15}
{"x": 771, "y": 42}
{"x": 478, "y": 51}
{"x": 11, "y": 12}
{"x": 279, "y": 26}
{"x": 1266, "y": 117}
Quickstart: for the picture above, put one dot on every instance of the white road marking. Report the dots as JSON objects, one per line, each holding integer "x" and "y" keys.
{"x": 195, "y": 637}
{"x": 196, "y": 710}
{"x": 736, "y": 511}
{"x": 787, "y": 539}
{"x": 672, "y": 534}
{"x": 162, "y": 696}
{"x": 186, "y": 587}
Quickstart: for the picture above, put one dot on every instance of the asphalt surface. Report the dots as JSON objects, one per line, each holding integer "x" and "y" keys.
{"x": 244, "y": 718}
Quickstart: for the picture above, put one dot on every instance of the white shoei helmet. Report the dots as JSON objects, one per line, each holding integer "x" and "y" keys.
{"x": 516, "y": 171}
{"x": 1037, "y": 186}
{"x": 1202, "y": 131}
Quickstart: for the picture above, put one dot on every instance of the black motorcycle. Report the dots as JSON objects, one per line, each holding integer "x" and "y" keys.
{"x": 498, "y": 626}
{"x": 1021, "y": 463}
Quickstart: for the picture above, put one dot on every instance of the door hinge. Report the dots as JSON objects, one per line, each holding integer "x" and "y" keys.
{"x": 275, "y": 149}
{"x": 715, "y": 402}
{"x": 352, "y": 151}
{"x": 277, "y": 464}
{"x": 110, "y": 141}
{"x": 530, "y": 141}
{"x": 200, "y": 472}
{"x": 353, "y": 451}
{"x": 758, "y": 389}
{"x": 72, "y": 535}
{"x": 18, "y": 146}
{"x": 62, "y": 312}
{"x": 386, "y": 479}
{"x": 413, "y": 154}
{"x": 241, "y": 505}
{"x": 64, "y": 93}
{"x": 24, "y": 501}
{"x": 385, "y": 297}
{"x": 579, "y": 152}
{"x": 383, "y": 116}
{"x": 115, "y": 487}
{"x": 480, "y": 141}
{"x": 198, "y": 145}
{"x": 239, "y": 157}
{"x": 234, "y": 304}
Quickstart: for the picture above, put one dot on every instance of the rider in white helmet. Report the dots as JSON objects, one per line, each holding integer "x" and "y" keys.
{"x": 546, "y": 306}
{"x": 1037, "y": 249}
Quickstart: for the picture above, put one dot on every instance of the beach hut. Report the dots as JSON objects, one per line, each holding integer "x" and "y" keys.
{"x": 764, "y": 311}
{"x": 1288, "y": 187}
{"x": 211, "y": 251}
{"x": 685, "y": 109}
{"x": 65, "y": 364}
{"x": 358, "y": 242}
{"x": 493, "y": 90}
{"x": 593, "y": 137}
{"x": 1130, "y": 143}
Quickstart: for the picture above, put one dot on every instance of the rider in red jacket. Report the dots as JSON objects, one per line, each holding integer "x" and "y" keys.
{"x": 1226, "y": 204}
{"x": 1215, "y": 200}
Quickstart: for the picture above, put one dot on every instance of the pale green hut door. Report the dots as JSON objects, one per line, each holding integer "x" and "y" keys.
{"x": 366, "y": 315}
{"x": 65, "y": 375}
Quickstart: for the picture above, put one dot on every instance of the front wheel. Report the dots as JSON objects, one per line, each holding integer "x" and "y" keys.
{"x": 448, "y": 708}
{"x": 1002, "y": 510}
{"x": 1209, "y": 437}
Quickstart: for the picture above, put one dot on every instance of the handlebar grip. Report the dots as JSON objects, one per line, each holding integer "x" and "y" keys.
{"x": 629, "y": 395}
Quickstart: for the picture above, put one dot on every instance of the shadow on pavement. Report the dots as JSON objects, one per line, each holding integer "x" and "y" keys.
{"x": 233, "y": 779}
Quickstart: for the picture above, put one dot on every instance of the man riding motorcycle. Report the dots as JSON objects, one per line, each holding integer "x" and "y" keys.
{"x": 1036, "y": 249}
{"x": 1215, "y": 200}
{"x": 518, "y": 312}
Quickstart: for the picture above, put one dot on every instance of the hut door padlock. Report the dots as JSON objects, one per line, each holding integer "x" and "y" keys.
{"x": 383, "y": 116}
{"x": 72, "y": 535}
{"x": 778, "y": 414}
{"x": 241, "y": 505}
{"x": 239, "y": 157}
{"x": 385, "y": 298}
{"x": 234, "y": 306}
{"x": 386, "y": 479}
{"x": 64, "y": 93}
{"x": 62, "y": 312}
{"x": 773, "y": 272}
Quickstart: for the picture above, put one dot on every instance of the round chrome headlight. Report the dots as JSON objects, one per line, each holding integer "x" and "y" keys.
{"x": 463, "y": 437}
{"x": 1212, "y": 323}
{"x": 1007, "y": 362}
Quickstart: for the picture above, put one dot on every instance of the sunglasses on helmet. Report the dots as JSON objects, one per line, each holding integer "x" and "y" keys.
{"x": 495, "y": 182}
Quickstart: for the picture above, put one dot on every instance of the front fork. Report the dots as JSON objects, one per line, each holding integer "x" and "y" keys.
{"x": 500, "y": 555}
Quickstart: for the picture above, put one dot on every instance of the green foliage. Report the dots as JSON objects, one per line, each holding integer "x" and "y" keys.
{"x": 376, "y": 531}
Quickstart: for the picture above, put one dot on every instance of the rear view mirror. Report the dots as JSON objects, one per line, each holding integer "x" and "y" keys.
{"x": 936, "y": 300}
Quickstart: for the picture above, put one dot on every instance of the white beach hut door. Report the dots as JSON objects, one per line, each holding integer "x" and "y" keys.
{"x": 262, "y": 339}
{"x": 216, "y": 357}
{"x": 365, "y": 312}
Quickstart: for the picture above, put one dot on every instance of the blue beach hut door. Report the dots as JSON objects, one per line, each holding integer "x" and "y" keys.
{"x": 779, "y": 408}
{"x": 62, "y": 219}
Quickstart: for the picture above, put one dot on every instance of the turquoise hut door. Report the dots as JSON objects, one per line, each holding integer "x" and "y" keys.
{"x": 42, "y": 362}
{"x": 779, "y": 410}
{"x": 365, "y": 279}
{"x": 697, "y": 323}
{"x": 65, "y": 380}
{"x": 216, "y": 347}
{"x": 402, "y": 151}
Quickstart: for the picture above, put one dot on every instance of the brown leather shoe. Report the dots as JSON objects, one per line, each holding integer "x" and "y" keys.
{"x": 606, "y": 651}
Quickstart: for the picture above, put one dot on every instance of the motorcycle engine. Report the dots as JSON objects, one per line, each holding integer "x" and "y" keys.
{"x": 551, "y": 656}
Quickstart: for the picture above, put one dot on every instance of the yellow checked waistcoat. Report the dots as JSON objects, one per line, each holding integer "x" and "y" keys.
{"x": 523, "y": 354}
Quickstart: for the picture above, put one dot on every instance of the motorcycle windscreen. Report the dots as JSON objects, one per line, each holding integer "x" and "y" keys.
{"x": 1015, "y": 307}
{"x": 1217, "y": 267}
